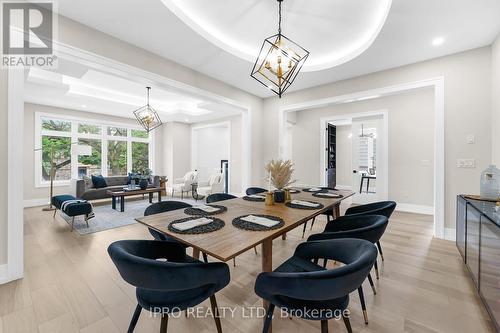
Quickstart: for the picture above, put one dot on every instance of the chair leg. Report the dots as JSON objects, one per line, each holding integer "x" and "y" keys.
{"x": 371, "y": 284}
{"x": 172, "y": 193}
{"x": 164, "y": 323}
{"x": 324, "y": 326}
{"x": 234, "y": 262}
{"x": 205, "y": 258}
{"x": 73, "y": 223}
{"x": 304, "y": 230}
{"x": 375, "y": 265}
{"x": 312, "y": 223}
{"x": 215, "y": 311}
{"x": 347, "y": 323}
{"x": 363, "y": 305}
{"x": 87, "y": 220}
{"x": 135, "y": 318}
{"x": 380, "y": 250}
{"x": 55, "y": 211}
{"x": 269, "y": 318}
{"x": 255, "y": 249}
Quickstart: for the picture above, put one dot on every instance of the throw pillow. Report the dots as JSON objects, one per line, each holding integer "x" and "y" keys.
{"x": 99, "y": 182}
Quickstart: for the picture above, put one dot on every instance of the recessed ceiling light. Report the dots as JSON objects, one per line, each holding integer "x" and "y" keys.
{"x": 84, "y": 106}
{"x": 438, "y": 41}
{"x": 186, "y": 120}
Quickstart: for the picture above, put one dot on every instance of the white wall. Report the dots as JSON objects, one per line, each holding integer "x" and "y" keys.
{"x": 467, "y": 78}
{"x": 174, "y": 144}
{"x": 411, "y": 141}
{"x": 495, "y": 72}
{"x": 33, "y": 195}
{"x": 209, "y": 146}
{"x": 3, "y": 165}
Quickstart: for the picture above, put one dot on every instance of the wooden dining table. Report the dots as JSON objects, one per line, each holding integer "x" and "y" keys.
{"x": 229, "y": 242}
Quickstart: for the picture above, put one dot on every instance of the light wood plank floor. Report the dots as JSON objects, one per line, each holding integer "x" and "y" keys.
{"x": 71, "y": 285}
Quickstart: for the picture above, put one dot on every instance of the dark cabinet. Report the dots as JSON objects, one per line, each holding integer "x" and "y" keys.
{"x": 331, "y": 152}
{"x": 478, "y": 241}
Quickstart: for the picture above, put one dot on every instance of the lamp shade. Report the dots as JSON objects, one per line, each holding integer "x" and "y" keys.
{"x": 83, "y": 150}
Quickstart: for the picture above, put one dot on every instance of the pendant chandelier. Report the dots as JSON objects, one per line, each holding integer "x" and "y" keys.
{"x": 147, "y": 116}
{"x": 279, "y": 61}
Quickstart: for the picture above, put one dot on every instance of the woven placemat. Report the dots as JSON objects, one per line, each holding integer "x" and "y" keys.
{"x": 291, "y": 205}
{"x": 242, "y": 224}
{"x": 215, "y": 225}
{"x": 319, "y": 191}
{"x": 247, "y": 198}
{"x": 196, "y": 211}
{"x": 322, "y": 195}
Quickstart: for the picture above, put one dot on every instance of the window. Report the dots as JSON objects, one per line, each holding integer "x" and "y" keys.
{"x": 115, "y": 149}
{"x": 368, "y": 151}
{"x": 117, "y": 158}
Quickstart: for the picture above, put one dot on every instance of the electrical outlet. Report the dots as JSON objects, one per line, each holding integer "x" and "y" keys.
{"x": 468, "y": 163}
{"x": 471, "y": 139}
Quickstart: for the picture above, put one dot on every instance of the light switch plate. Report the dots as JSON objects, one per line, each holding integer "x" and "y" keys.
{"x": 471, "y": 139}
{"x": 468, "y": 163}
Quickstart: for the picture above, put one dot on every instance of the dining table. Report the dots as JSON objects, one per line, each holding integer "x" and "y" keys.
{"x": 229, "y": 241}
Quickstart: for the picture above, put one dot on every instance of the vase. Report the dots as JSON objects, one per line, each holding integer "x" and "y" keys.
{"x": 279, "y": 196}
{"x": 490, "y": 183}
{"x": 143, "y": 184}
{"x": 288, "y": 196}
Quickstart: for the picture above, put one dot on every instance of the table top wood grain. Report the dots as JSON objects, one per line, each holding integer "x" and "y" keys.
{"x": 229, "y": 242}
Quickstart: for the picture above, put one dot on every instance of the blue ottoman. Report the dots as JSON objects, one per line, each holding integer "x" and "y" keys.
{"x": 72, "y": 207}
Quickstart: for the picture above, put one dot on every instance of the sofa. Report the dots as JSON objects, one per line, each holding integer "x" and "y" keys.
{"x": 84, "y": 188}
{"x": 215, "y": 184}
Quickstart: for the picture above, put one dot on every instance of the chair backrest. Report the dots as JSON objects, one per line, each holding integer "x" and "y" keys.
{"x": 367, "y": 227}
{"x": 215, "y": 179}
{"x": 384, "y": 208}
{"x": 137, "y": 263}
{"x": 162, "y": 207}
{"x": 357, "y": 255}
{"x": 255, "y": 190}
{"x": 219, "y": 197}
{"x": 190, "y": 176}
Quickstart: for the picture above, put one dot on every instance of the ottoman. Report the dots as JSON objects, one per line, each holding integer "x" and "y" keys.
{"x": 72, "y": 207}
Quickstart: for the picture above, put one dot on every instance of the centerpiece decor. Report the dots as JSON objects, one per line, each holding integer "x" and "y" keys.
{"x": 144, "y": 176}
{"x": 279, "y": 61}
{"x": 280, "y": 176}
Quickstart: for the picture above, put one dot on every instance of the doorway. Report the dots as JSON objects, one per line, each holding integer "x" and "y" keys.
{"x": 356, "y": 155}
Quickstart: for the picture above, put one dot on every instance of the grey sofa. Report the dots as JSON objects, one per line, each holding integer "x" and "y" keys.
{"x": 84, "y": 188}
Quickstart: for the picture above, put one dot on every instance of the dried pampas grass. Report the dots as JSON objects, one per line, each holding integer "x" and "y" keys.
{"x": 280, "y": 172}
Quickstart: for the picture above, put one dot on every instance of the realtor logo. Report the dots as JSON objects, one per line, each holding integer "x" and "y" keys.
{"x": 28, "y": 33}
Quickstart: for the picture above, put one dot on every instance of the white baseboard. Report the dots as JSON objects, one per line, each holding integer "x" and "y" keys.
{"x": 450, "y": 234}
{"x": 4, "y": 278}
{"x": 35, "y": 202}
{"x": 418, "y": 209}
{"x": 343, "y": 187}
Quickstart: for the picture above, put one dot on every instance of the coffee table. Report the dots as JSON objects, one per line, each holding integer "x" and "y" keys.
{"x": 122, "y": 194}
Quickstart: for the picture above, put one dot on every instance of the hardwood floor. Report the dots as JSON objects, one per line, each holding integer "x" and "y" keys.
{"x": 71, "y": 285}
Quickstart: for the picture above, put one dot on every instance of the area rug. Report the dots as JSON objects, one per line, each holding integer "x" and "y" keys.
{"x": 107, "y": 218}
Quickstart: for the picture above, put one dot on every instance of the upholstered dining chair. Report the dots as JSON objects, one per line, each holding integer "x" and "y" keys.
{"x": 162, "y": 207}
{"x": 166, "y": 279}
{"x": 221, "y": 197}
{"x": 299, "y": 286}
{"x": 328, "y": 213}
{"x": 385, "y": 208}
{"x": 255, "y": 190}
{"x": 367, "y": 227}
{"x": 185, "y": 183}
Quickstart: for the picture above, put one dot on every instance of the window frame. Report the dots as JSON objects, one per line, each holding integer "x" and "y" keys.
{"x": 75, "y": 136}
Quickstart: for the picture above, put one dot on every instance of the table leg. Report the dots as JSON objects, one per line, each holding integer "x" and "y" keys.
{"x": 113, "y": 202}
{"x": 367, "y": 185}
{"x": 159, "y": 196}
{"x": 122, "y": 203}
{"x": 267, "y": 265}
{"x": 361, "y": 185}
{"x": 336, "y": 210}
{"x": 150, "y": 197}
{"x": 196, "y": 253}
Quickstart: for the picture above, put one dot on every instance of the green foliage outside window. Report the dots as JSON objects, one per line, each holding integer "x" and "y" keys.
{"x": 117, "y": 158}
{"x": 60, "y": 147}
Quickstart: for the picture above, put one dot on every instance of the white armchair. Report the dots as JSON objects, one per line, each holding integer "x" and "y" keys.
{"x": 215, "y": 184}
{"x": 184, "y": 184}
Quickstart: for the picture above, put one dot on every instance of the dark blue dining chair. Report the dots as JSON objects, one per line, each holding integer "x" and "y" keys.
{"x": 166, "y": 279}
{"x": 366, "y": 227}
{"x": 385, "y": 208}
{"x": 300, "y": 286}
{"x": 219, "y": 197}
{"x": 329, "y": 213}
{"x": 255, "y": 190}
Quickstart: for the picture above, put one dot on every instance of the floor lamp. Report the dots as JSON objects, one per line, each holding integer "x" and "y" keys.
{"x": 82, "y": 150}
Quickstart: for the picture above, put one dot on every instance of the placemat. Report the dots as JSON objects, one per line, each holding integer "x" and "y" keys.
{"x": 242, "y": 224}
{"x": 215, "y": 225}
{"x": 247, "y": 198}
{"x": 196, "y": 211}
{"x": 291, "y": 205}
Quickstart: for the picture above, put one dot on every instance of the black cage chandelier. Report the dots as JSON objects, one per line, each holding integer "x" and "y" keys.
{"x": 147, "y": 116}
{"x": 280, "y": 60}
